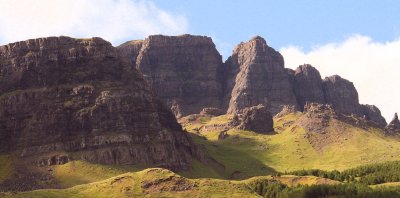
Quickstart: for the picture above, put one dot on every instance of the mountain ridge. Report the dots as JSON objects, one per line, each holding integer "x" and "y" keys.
{"x": 254, "y": 74}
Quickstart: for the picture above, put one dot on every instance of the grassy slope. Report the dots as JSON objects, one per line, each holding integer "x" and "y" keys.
{"x": 132, "y": 185}
{"x": 5, "y": 167}
{"x": 80, "y": 172}
{"x": 388, "y": 184}
{"x": 158, "y": 182}
{"x": 254, "y": 154}
{"x": 243, "y": 154}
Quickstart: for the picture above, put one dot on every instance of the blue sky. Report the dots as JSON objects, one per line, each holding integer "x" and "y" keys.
{"x": 357, "y": 39}
{"x": 304, "y": 23}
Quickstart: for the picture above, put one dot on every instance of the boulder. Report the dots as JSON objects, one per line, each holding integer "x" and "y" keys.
{"x": 256, "y": 118}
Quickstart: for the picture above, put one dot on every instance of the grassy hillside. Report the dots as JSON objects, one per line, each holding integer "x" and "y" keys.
{"x": 242, "y": 161}
{"x": 292, "y": 147}
{"x": 149, "y": 182}
{"x": 80, "y": 172}
{"x": 158, "y": 182}
{"x": 5, "y": 167}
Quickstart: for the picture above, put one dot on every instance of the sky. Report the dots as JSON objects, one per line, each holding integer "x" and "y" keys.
{"x": 356, "y": 39}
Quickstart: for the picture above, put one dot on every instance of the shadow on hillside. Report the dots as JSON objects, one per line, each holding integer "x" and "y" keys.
{"x": 236, "y": 163}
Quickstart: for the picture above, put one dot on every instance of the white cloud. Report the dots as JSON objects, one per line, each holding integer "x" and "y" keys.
{"x": 113, "y": 20}
{"x": 373, "y": 67}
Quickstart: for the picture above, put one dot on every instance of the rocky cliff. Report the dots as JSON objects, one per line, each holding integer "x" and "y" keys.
{"x": 342, "y": 94}
{"x": 394, "y": 125}
{"x": 79, "y": 98}
{"x": 259, "y": 78}
{"x": 187, "y": 73}
{"x": 307, "y": 84}
{"x": 183, "y": 70}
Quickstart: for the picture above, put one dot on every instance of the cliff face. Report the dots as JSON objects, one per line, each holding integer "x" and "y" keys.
{"x": 183, "y": 70}
{"x": 372, "y": 113}
{"x": 130, "y": 50}
{"x": 187, "y": 73}
{"x": 260, "y": 78}
{"x": 307, "y": 85}
{"x": 342, "y": 94}
{"x": 66, "y": 95}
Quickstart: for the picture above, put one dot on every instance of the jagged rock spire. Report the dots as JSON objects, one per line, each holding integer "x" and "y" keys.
{"x": 395, "y": 123}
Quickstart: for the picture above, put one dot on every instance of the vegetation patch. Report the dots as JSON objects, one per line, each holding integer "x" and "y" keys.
{"x": 5, "y": 167}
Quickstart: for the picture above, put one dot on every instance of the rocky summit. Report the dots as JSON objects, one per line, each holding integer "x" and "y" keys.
{"x": 394, "y": 125}
{"x": 187, "y": 73}
{"x": 63, "y": 99}
{"x": 256, "y": 75}
{"x": 183, "y": 70}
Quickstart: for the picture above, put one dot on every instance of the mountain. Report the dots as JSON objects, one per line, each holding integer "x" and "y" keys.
{"x": 64, "y": 99}
{"x": 183, "y": 70}
{"x": 188, "y": 74}
{"x": 76, "y": 111}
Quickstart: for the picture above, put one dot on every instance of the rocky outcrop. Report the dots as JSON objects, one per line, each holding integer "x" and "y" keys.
{"x": 183, "y": 70}
{"x": 188, "y": 75}
{"x": 287, "y": 109}
{"x": 54, "y": 160}
{"x": 372, "y": 113}
{"x": 394, "y": 125}
{"x": 257, "y": 77}
{"x": 257, "y": 119}
{"x": 212, "y": 111}
{"x": 307, "y": 85}
{"x": 317, "y": 117}
{"x": 342, "y": 94}
{"x": 130, "y": 50}
{"x": 60, "y": 94}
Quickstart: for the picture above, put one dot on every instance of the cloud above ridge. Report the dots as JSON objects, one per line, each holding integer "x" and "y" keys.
{"x": 113, "y": 20}
{"x": 373, "y": 67}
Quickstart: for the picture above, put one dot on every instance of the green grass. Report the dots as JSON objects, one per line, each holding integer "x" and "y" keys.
{"x": 245, "y": 153}
{"x": 388, "y": 184}
{"x": 5, "y": 167}
{"x": 133, "y": 185}
{"x": 80, "y": 172}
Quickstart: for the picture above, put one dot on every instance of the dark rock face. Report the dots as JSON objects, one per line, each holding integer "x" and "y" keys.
{"x": 257, "y": 119}
{"x": 259, "y": 77}
{"x": 372, "y": 113}
{"x": 183, "y": 70}
{"x": 130, "y": 50}
{"x": 307, "y": 84}
{"x": 54, "y": 160}
{"x": 394, "y": 125}
{"x": 60, "y": 94}
{"x": 342, "y": 94}
{"x": 188, "y": 75}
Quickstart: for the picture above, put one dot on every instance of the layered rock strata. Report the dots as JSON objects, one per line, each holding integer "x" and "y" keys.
{"x": 259, "y": 78}
{"x": 183, "y": 70}
{"x": 60, "y": 94}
